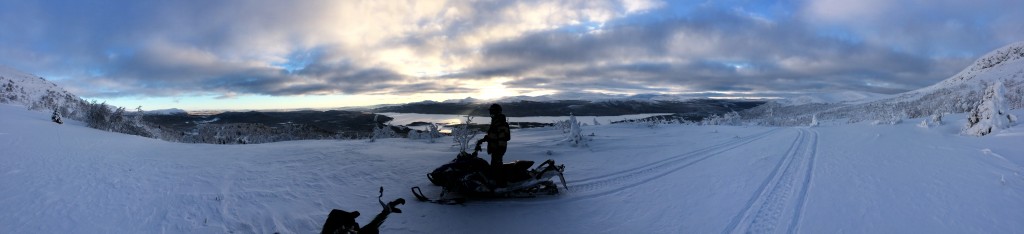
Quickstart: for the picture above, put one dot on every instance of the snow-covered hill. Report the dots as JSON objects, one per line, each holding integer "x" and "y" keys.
{"x": 958, "y": 94}
{"x": 855, "y": 178}
{"x": 1001, "y": 64}
{"x": 35, "y": 92}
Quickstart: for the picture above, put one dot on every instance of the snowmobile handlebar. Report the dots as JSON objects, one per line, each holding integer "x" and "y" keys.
{"x": 340, "y": 221}
{"x": 390, "y": 207}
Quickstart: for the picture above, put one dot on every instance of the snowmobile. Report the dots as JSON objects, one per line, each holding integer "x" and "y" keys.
{"x": 340, "y": 221}
{"x": 472, "y": 177}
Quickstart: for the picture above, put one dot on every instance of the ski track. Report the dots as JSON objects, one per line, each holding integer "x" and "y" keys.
{"x": 603, "y": 185}
{"x": 592, "y": 187}
{"x": 774, "y": 200}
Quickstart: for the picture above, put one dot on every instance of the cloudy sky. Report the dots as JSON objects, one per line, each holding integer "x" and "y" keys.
{"x": 293, "y": 54}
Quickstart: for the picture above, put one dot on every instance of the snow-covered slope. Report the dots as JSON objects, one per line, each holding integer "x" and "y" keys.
{"x": 1001, "y": 64}
{"x": 965, "y": 90}
{"x": 854, "y": 178}
{"x": 37, "y": 93}
{"x": 957, "y": 94}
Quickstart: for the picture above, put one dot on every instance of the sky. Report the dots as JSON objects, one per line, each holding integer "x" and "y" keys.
{"x": 322, "y": 54}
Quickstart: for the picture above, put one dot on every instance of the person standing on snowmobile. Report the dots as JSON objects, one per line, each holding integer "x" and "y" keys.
{"x": 497, "y": 136}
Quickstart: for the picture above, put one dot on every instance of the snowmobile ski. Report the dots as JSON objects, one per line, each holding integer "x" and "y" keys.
{"x": 423, "y": 198}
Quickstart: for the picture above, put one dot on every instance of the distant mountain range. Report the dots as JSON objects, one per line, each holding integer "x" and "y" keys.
{"x": 694, "y": 108}
{"x": 332, "y": 121}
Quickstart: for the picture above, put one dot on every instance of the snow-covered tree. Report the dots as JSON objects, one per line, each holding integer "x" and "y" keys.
{"x": 575, "y": 131}
{"x": 731, "y": 118}
{"x": 814, "y": 121}
{"x": 431, "y": 133}
{"x": 56, "y": 117}
{"x": 463, "y": 135}
{"x": 990, "y": 116}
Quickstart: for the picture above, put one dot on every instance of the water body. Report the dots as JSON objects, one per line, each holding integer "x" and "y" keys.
{"x": 409, "y": 118}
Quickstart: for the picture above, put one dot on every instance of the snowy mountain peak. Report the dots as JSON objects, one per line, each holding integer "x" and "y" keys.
{"x": 466, "y": 100}
{"x": 172, "y": 111}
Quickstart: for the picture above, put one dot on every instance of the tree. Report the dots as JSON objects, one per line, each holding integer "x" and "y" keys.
{"x": 990, "y": 116}
{"x": 463, "y": 135}
{"x": 575, "y": 131}
{"x": 56, "y": 117}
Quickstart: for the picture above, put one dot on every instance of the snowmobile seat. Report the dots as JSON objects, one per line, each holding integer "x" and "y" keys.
{"x": 518, "y": 165}
{"x": 450, "y": 173}
{"x": 517, "y": 170}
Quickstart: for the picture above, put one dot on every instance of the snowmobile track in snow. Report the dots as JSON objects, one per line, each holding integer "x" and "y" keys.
{"x": 783, "y": 192}
{"x": 598, "y": 186}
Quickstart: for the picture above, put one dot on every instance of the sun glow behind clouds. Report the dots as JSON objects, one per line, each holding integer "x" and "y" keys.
{"x": 496, "y": 89}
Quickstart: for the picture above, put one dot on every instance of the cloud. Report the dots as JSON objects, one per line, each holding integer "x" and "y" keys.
{"x": 714, "y": 50}
{"x": 938, "y": 28}
{"x": 236, "y": 48}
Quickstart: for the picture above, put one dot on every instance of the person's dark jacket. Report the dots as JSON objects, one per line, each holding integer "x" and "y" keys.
{"x": 498, "y": 134}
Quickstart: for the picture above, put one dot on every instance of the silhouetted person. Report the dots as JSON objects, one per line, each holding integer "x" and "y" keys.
{"x": 497, "y": 136}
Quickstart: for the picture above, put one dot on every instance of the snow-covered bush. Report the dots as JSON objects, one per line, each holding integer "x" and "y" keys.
{"x": 652, "y": 122}
{"x": 596, "y": 123}
{"x": 563, "y": 125}
{"x": 381, "y": 131}
{"x": 731, "y": 118}
{"x": 889, "y": 118}
{"x": 417, "y": 134}
{"x": 431, "y": 133}
{"x": 990, "y": 116}
{"x": 462, "y": 135}
{"x": 935, "y": 120}
{"x": 814, "y": 121}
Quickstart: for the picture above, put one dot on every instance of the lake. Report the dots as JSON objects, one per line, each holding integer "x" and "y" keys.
{"x": 408, "y": 118}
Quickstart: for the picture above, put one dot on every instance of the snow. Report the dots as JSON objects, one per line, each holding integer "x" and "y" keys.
{"x": 854, "y": 178}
